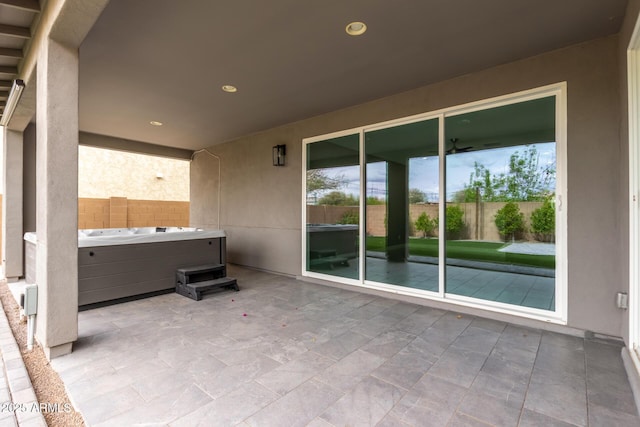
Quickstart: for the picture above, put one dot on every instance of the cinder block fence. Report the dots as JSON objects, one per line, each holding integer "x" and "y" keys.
{"x": 120, "y": 212}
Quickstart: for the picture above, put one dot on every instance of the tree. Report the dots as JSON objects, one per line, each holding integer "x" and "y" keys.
{"x": 453, "y": 220}
{"x": 426, "y": 224}
{"x": 339, "y": 198}
{"x": 480, "y": 183}
{"x": 372, "y": 200}
{"x": 524, "y": 182}
{"x": 416, "y": 196}
{"x": 510, "y": 220}
{"x": 318, "y": 180}
{"x": 543, "y": 221}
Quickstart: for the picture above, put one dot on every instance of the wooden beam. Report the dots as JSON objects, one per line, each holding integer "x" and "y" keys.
{"x": 4, "y": 95}
{"x": 10, "y": 53}
{"x": 13, "y": 31}
{"x": 6, "y": 84}
{"x": 30, "y": 5}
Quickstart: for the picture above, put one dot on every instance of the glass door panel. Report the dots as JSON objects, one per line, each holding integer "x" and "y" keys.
{"x": 402, "y": 193}
{"x": 333, "y": 223}
{"x": 500, "y": 213}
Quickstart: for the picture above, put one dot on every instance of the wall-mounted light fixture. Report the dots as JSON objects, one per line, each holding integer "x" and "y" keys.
{"x": 12, "y": 101}
{"x": 278, "y": 154}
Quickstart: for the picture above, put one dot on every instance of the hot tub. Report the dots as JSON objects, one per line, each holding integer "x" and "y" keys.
{"x": 117, "y": 264}
{"x": 331, "y": 244}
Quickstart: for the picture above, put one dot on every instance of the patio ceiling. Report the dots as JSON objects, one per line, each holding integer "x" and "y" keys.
{"x": 16, "y": 20}
{"x": 166, "y": 61}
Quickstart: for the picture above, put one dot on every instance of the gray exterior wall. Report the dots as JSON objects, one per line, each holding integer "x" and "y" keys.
{"x": 129, "y": 146}
{"x": 633, "y": 8}
{"x": 261, "y": 204}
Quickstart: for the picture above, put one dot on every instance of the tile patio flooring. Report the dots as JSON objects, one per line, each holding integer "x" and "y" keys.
{"x": 307, "y": 354}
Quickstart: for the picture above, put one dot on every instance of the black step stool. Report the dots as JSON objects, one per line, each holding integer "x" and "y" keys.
{"x": 192, "y": 282}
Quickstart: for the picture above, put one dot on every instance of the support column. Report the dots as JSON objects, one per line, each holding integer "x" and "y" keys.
{"x": 397, "y": 212}
{"x": 29, "y": 179}
{"x": 57, "y": 198}
{"x": 12, "y": 230}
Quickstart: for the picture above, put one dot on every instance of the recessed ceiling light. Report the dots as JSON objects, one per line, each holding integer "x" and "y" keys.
{"x": 229, "y": 88}
{"x": 155, "y": 123}
{"x": 356, "y": 28}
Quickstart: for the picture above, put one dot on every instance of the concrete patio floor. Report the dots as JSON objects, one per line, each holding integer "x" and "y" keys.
{"x": 285, "y": 352}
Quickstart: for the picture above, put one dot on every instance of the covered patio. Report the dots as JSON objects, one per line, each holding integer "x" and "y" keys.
{"x": 257, "y": 96}
{"x": 281, "y": 352}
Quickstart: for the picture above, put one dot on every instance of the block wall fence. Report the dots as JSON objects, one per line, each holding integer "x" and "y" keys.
{"x": 479, "y": 219}
{"x": 120, "y": 212}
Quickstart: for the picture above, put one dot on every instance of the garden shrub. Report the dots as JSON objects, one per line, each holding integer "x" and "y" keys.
{"x": 453, "y": 221}
{"x": 509, "y": 220}
{"x": 543, "y": 222}
{"x": 426, "y": 224}
{"x": 349, "y": 217}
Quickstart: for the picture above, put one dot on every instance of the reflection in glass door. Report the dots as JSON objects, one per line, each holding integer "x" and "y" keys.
{"x": 402, "y": 196}
{"x": 458, "y": 205}
{"x": 500, "y": 212}
{"x": 333, "y": 223}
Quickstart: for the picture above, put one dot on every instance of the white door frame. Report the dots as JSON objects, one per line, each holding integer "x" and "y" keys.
{"x": 633, "y": 87}
{"x": 560, "y": 314}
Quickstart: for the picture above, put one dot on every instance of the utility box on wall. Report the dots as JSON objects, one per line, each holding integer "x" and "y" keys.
{"x": 30, "y": 300}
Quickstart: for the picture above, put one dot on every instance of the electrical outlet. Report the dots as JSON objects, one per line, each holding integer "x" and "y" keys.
{"x": 622, "y": 300}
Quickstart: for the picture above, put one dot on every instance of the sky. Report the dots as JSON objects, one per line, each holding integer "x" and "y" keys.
{"x": 423, "y": 171}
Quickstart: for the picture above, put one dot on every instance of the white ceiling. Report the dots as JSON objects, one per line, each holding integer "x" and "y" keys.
{"x": 166, "y": 60}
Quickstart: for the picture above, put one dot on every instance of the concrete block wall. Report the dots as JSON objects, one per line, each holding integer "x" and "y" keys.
{"x": 120, "y": 212}
{"x": 150, "y": 213}
{"x": 376, "y": 214}
{"x": 93, "y": 213}
{"x": 327, "y": 214}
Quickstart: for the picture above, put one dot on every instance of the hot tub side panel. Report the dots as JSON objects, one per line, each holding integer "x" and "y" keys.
{"x": 108, "y": 273}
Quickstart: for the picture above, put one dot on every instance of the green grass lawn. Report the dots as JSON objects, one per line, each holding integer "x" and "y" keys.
{"x": 468, "y": 250}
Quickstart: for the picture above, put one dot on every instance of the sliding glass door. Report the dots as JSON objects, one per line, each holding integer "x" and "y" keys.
{"x": 500, "y": 210}
{"x": 332, "y": 205}
{"x": 457, "y": 205}
{"x": 403, "y": 193}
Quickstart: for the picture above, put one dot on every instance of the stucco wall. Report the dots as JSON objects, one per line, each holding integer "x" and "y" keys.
{"x": 0, "y": 225}
{"x": 109, "y": 173}
{"x": 633, "y": 8}
{"x": 261, "y": 204}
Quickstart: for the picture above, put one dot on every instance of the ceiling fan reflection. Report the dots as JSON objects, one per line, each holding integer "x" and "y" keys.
{"x": 455, "y": 149}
